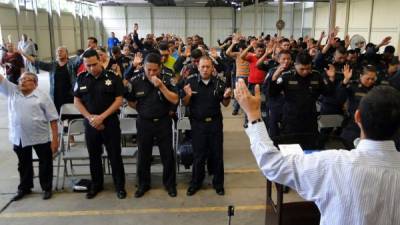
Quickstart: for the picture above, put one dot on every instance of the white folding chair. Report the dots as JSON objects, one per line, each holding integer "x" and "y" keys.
{"x": 128, "y": 111}
{"x": 71, "y": 153}
{"x": 128, "y": 127}
{"x": 330, "y": 121}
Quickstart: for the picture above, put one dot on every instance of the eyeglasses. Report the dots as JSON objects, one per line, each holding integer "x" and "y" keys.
{"x": 22, "y": 79}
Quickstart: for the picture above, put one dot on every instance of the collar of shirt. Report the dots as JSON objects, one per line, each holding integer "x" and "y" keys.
{"x": 371, "y": 145}
{"x": 201, "y": 80}
{"x": 103, "y": 73}
{"x": 34, "y": 93}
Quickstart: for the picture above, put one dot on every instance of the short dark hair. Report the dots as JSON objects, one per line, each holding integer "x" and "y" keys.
{"x": 369, "y": 68}
{"x": 90, "y": 53}
{"x": 341, "y": 50}
{"x": 380, "y": 113}
{"x": 163, "y": 46}
{"x": 196, "y": 53}
{"x": 389, "y": 49}
{"x": 303, "y": 58}
{"x": 284, "y": 52}
{"x": 153, "y": 58}
{"x": 284, "y": 40}
{"x": 93, "y": 39}
{"x": 260, "y": 45}
{"x": 351, "y": 52}
{"x": 115, "y": 50}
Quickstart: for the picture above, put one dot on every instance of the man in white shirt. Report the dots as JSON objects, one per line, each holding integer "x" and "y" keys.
{"x": 358, "y": 187}
{"x": 30, "y": 111}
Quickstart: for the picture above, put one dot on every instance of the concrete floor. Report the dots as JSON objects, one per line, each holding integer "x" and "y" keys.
{"x": 244, "y": 184}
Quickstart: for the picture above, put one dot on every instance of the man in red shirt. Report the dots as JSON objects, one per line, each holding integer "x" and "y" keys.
{"x": 256, "y": 75}
{"x": 13, "y": 63}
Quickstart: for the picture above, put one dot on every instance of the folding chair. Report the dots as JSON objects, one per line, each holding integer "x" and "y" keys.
{"x": 128, "y": 111}
{"x": 299, "y": 213}
{"x": 75, "y": 127}
{"x": 330, "y": 121}
{"x": 68, "y": 111}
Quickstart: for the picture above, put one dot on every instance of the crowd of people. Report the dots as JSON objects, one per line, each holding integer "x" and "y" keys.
{"x": 156, "y": 74}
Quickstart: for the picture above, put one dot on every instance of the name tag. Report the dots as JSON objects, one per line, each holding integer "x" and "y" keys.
{"x": 83, "y": 88}
{"x": 360, "y": 94}
{"x": 314, "y": 82}
{"x": 293, "y": 82}
{"x": 140, "y": 93}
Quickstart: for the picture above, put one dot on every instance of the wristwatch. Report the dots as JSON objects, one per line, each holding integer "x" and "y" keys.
{"x": 246, "y": 125}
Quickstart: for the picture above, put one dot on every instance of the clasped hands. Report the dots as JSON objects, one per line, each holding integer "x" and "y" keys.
{"x": 96, "y": 121}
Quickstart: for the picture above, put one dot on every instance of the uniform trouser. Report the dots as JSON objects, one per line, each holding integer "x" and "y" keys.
{"x": 111, "y": 138}
{"x": 207, "y": 145}
{"x": 25, "y": 166}
{"x": 275, "y": 116}
{"x": 161, "y": 130}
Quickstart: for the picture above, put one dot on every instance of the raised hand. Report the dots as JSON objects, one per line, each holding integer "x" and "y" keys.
{"x": 214, "y": 53}
{"x": 347, "y": 73}
{"x": 386, "y": 41}
{"x": 248, "y": 102}
{"x": 138, "y": 59}
{"x": 188, "y": 90}
{"x": 331, "y": 71}
{"x": 156, "y": 81}
{"x": 228, "y": 93}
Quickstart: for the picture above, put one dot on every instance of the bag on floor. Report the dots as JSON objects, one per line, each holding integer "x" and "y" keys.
{"x": 185, "y": 154}
{"x": 82, "y": 185}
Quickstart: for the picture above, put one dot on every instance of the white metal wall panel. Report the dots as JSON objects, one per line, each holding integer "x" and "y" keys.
{"x": 321, "y": 18}
{"x": 297, "y": 22}
{"x": 169, "y": 20}
{"x": 248, "y": 21}
{"x": 142, "y": 16}
{"x": 85, "y": 23}
{"x": 114, "y": 21}
{"x": 270, "y": 18}
{"x": 9, "y": 23}
{"x": 78, "y": 34}
{"x": 57, "y": 36}
{"x": 358, "y": 19}
{"x": 67, "y": 31}
{"x": 27, "y": 24}
{"x": 198, "y": 22}
{"x": 92, "y": 27}
{"x": 43, "y": 34}
{"x": 221, "y": 24}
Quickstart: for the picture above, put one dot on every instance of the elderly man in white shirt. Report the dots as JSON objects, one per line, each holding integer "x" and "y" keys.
{"x": 30, "y": 112}
{"x": 358, "y": 187}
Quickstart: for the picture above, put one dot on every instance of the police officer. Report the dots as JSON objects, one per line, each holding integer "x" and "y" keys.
{"x": 203, "y": 94}
{"x": 301, "y": 88}
{"x": 355, "y": 90}
{"x": 98, "y": 96}
{"x": 152, "y": 95}
{"x": 275, "y": 103}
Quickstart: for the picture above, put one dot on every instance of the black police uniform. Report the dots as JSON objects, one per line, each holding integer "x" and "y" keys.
{"x": 275, "y": 105}
{"x": 300, "y": 93}
{"x": 207, "y": 133}
{"x": 97, "y": 95}
{"x": 354, "y": 91}
{"x": 153, "y": 122}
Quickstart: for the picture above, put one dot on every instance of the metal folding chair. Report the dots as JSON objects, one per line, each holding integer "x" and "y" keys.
{"x": 182, "y": 125}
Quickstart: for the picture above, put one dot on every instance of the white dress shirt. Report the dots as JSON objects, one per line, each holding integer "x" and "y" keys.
{"x": 358, "y": 187}
{"x": 29, "y": 116}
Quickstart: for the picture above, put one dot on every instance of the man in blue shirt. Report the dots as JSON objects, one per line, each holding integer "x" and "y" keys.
{"x": 111, "y": 42}
{"x": 30, "y": 112}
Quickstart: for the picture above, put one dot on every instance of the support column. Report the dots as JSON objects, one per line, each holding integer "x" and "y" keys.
{"x": 186, "y": 24}
{"x": 151, "y": 20}
{"x": 370, "y": 20}
{"x": 332, "y": 15}
{"x": 292, "y": 28}
{"x": 126, "y": 19}
{"x": 255, "y": 18}
{"x": 210, "y": 26}
{"x": 280, "y": 9}
{"x": 302, "y": 19}
{"x": 234, "y": 20}
{"x": 101, "y": 25}
{"x": 314, "y": 12}
{"x": 346, "y": 22}
{"x": 51, "y": 30}
{"x": 241, "y": 17}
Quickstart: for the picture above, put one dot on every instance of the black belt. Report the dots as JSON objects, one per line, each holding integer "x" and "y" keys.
{"x": 154, "y": 120}
{"x": 208, "y": 119}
